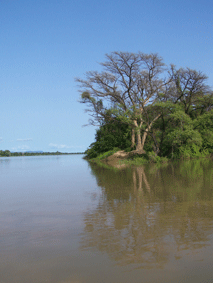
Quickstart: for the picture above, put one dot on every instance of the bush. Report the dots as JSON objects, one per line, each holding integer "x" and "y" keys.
{"x": 192, "y": 151}
{"x": 108, "y": 153}
{"x": 153, "y": 157}
{"x": 110, "y": 135}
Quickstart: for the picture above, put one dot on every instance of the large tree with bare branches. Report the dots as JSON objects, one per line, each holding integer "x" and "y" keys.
{"x": 189, "y": 88}
{"x": 128, "y": 86}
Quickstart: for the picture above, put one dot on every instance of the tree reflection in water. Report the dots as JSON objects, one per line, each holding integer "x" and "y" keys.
{"x": 147, "y": 216}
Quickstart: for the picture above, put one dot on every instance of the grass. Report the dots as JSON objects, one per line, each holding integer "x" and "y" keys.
{"x": 105, "y": 154}
{"x": 144, "y": 159}
{"x": 137, "y": 159}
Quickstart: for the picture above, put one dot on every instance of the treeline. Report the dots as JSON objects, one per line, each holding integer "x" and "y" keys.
{"x": 175, "y": 135}
{"x": 141, "y": 104}
{"x": 7, "y": 153}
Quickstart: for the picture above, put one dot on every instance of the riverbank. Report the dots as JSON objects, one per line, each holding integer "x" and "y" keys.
{"x": 120, "y": 158}
{"x": 7, "y": 153}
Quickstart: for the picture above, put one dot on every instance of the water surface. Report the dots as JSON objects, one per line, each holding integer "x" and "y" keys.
{"x": 65, "y": 220}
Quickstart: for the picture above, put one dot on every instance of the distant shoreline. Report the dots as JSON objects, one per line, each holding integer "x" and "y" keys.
{"x": 7, "y": 153}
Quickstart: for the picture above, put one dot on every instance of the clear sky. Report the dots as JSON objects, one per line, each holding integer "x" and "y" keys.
{"x": 45, "y": 44}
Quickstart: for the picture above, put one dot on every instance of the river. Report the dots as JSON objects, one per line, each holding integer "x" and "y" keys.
{"x": 64, "y": 220}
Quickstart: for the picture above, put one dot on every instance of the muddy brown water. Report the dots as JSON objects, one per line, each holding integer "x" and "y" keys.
{"x": 63, "y": 220}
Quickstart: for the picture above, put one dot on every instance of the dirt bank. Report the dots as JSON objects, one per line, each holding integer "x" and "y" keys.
{"x": 113, "y": 160}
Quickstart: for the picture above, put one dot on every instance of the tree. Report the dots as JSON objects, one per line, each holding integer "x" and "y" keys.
{"x": 204, "y": 124}
{"x": 110, "y": 135}
{"x": 128, "y": 84}
{"x": 189, "y": 88}
{"x": 5, "y": 153}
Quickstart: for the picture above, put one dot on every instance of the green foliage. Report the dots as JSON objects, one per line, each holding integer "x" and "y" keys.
{"x": 153, "y": 157}
{"x": 141, "y": 159}
{"x": 5, "y": 153}
{"x": 204, "y": 124}
{"x": 110, "y": 135}
{"x": 169, "y": 109}
{"x": 129, "y": 149}
{"x": 175, "y": 134}
{"x": 181, "y": 138}
{"x": 108, "y": 153}
{"x": 192, "y": 151}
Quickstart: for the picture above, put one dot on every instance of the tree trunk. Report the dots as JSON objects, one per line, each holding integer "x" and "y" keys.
{"x": 133, "y": 138}
{"x": 147, "y": 130}
{"x": 139, "y": 146}
{"x": 144, "y": 139}
{"x": 156, "y": 146}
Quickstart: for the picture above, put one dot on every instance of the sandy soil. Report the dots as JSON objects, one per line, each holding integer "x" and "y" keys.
{"x": 113, "y": 160}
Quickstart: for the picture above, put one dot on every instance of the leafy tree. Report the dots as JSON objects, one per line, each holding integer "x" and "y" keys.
{"x": 111, "y": 134}
{"x": 6, "y": 153}
{"x": 168, "y": 111}
{"x": 183, "y": 137}
{"x": 128, "y": 83}
{"x": 189, "y": 88}
{"x": 204, "y": 124}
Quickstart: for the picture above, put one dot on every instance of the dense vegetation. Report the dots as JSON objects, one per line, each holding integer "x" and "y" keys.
{"x": 111, "y": 135}
{"x": 159, "y": 111}
{"x": 7, "y": 153}
{"x": 174, "y": 135}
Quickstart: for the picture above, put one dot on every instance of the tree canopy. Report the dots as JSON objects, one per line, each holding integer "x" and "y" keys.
{"x": 158, "y": 104}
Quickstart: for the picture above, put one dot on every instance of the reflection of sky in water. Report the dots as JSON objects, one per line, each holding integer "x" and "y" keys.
{"x": 40, "y": 198}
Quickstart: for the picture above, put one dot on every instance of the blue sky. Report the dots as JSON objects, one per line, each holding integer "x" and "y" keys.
{"x": 45, "y": 44}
